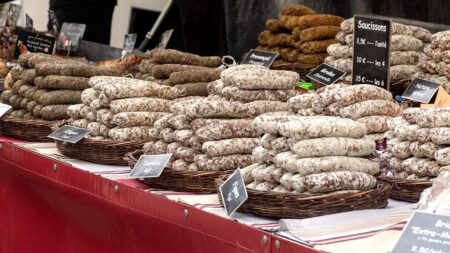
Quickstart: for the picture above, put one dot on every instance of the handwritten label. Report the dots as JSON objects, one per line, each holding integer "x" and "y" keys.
{"x": 150, "y": 166}
{"x": 256, "y": 57}
{"x": 425, "y": 233}
{"x": 165, "y": 38}
{"x": 31, "y": 42}
{"x": 4, "y": 108}
{"x": 421, "y": 90}
{"x": 233, "y": 192}
{"x": 325, "y": 74}
{"x": 69, "y": 134}
{"x": 371, "y": 55}
{"x": 70, "y": 36}
{"x": 129, "y": 42}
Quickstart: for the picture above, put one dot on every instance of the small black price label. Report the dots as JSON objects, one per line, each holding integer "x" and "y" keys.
{"x": 256, "y": 57}
{"x": 425, "y": 232}
{"x": 165, "y": 38}
{"x": 69, "y": 134}
{"x": 325, "y": 74}
{"x": 421, "y": 90}
{"x": 371, "y": 51}
{"x": 4, "y": 108}
{"x": 233, "y": 192}
{"x": 31, "y": 42}
{"x": 150, "y": 166}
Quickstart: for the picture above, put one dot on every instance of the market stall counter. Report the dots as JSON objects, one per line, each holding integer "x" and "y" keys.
{"x": 52, "y": 206}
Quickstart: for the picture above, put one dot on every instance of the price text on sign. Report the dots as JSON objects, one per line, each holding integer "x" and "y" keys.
{"x": 325, "y": 74}
{"x": 262, "y": 58}
{"x": 421, "y": 90}
{"x": 31, "y": 42}
{"x": 425, "y": 233}
{"x": 69, "y": 134}
{"x": 371, "y": 45}
{"x": 233, "y": 192}
{"x": 4, "y": 108}
{"x": 150, "y": 166}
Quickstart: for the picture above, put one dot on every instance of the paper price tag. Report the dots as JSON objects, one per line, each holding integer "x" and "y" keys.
{"x": 150, "y": 166}
{"x": 421, "y": 90}
{"x": 69, "y": 134}
{"x": 262, "y": 58}
{"x": 233, "y": 192}
{"x": 325, "y": 74}
{"x": 425, "y": 233}
{"x": 371, "y": 51}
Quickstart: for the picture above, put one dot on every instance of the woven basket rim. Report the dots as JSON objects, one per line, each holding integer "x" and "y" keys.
{"x": 406, "y": 181}
{"x": 39, "y": 122}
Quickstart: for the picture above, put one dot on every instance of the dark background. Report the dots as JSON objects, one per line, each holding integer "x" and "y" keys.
{"x": 221, "y": 27}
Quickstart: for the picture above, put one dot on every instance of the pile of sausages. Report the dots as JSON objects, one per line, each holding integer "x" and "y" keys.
{"x": 188, "y": 72}
{"x": 368, "y": 104}
{"x": 122, "y": 109}
{"x": 45, "y": 86}
{"x": 436, "y": 65}
{"x": 205, "y": 134}
{"x": 311, "y": 155}
{"x": 300, "y": 35}
{"x": 406, "y": 45}
{"x": 419, "y": 144}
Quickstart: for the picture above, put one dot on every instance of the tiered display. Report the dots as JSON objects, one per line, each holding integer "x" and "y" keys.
{"x": 436, "y": 66}
{"x": 118, "y": 110}
{"x": 300, "y": 35}
{"x": 188, "y": 72}
{"x": 306, "y": 163}
{"x": 418, "y": 151}
{"x": 216, "y": 134}
{"x": 406, "y": 45}
{"x": 45, "y": 86}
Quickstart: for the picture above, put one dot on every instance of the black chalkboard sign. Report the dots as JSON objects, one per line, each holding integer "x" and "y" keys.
{"x": 69, "y": 134}
{"x": 150, "y": 166}
{"x": 165, "y": 38}
{"x": 31, "y": 42}
{"x": 233, "y": 192}
{"x": 371, "y": 51}
{"x": 325, "y": 74}
{"x": 262, "y": 58}
{"x": 421, "y": 90}
{"x": 4, "y": 108}
{"x": 425, "y": 232}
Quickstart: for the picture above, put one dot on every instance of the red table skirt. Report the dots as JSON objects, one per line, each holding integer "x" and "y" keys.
{"x": 48, "y": 206}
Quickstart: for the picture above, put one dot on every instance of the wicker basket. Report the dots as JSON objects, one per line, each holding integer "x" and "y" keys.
{"x": 99, "y": 151}
{"x": 27, "y": 130}
{"x": 190, "y": 181}
{"x": 301, "y": 69}
{"x": 407, "y": 190}
{"x": 289, "y": 205}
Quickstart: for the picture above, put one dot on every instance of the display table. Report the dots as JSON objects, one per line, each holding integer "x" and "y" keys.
{"x": 55, "y": 203}
{"x": 51, "y": 206}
